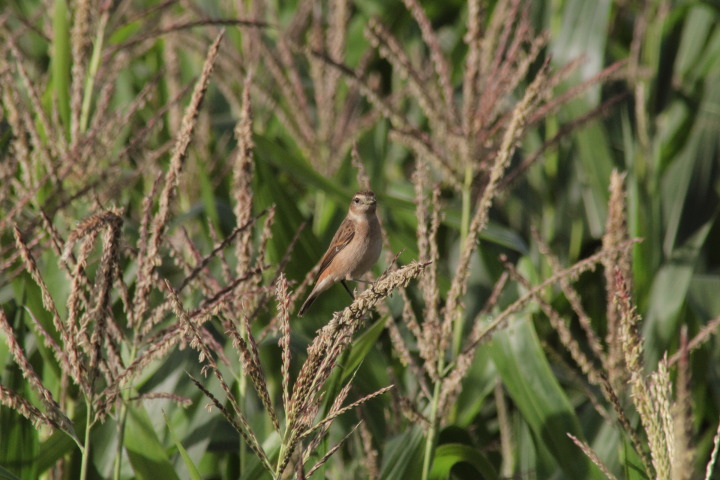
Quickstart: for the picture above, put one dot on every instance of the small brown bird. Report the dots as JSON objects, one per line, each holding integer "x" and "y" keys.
{"x": 353, "y": 250}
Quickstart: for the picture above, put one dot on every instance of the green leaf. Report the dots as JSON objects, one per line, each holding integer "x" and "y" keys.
{"x": 402, "y": 456}
{"x": 352, "y": 359}
{"x": 292, "y": 163}
{"x": 703, "y": 297}
{"x": 60, "y": 84}
{"x": 580, "y": 29}
{"x": 668, "y": 294}
{"x": 594, "y": 168}
{"x": 693, "y": 52}
{"x": 146, "y": 453}
{"x": 192, "y": 469}
{"x": 7, "y": 475}
{"x": 529, "y": 380}
{"x": 676, "y": 192}
{"x": 30, "y": 296}
{"x": 633, "y": 467}
{"x": 57, "y": 446}
{"x": 207, "y": 194}
{"x": 270, "y": 190}
{"x": 450, "y": 454}
{"x": 474, "y": 393}
{"x": 18, "y": 444}
{"x": 361, "y": 346}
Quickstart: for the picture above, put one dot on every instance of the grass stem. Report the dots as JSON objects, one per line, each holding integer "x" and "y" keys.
{"x": 86, "y": 450}
{"x": 92, "y": 71}
{"x": 430, "y": 440}
{"x": 464, "y": 231}
{"x": 122, "y": 421}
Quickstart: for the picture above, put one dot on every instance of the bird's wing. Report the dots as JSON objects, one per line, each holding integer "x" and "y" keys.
{"x": 342, "y": 238}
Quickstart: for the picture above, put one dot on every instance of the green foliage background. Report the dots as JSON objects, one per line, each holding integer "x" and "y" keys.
{"x": 664, "y": 133}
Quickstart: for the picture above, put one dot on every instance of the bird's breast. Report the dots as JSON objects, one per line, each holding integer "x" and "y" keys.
{"x": 368, "y": 247}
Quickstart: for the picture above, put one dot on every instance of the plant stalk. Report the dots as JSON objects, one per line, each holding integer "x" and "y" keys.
{"x": 92, "y": 71}
{"x": 464, "y": 231}
{"x": 122, "y": 420}
{"x": 86, "y": 449}
{"x": 433, "y": 430}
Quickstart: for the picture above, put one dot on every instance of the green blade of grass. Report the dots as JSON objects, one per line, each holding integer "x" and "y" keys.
{"x": 450, "y": 454}
{"x": 60, "y": 444}
{"x": 529, "y": 380}
{"x": 147, "y": 455}
{"x": 402, "y": 455}
{"x": 668, "y": 293}
{"x": 192, "y": 469}
{"x": 8, "y": 475}
{"x": 19, "y": 445}
{"x": 361, "y": 346}
{"x": 60, "y": 55}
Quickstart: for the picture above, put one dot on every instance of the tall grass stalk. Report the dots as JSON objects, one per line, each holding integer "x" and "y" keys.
{"x": 92, "y": 69}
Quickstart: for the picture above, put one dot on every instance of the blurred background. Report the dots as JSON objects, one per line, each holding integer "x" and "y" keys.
{"x": 556, "y": 161}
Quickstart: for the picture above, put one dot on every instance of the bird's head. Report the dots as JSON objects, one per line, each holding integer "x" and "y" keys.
{"x": 363, "y": 203}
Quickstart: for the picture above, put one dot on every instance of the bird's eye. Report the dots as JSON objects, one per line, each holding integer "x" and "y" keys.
{"x": 356, "y": 200}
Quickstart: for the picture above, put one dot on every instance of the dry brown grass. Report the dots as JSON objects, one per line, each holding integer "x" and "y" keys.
{"x": 141, "y": 285}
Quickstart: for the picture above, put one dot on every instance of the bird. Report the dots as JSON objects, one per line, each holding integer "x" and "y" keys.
{"x": 353, "y": 250}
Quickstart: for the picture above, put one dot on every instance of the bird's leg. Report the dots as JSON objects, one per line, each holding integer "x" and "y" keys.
{"x": 357, "y": 280}
{"x": 347, "y": 289}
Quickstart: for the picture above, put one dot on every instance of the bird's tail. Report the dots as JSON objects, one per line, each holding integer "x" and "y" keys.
{"x": 307, "y": 303}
